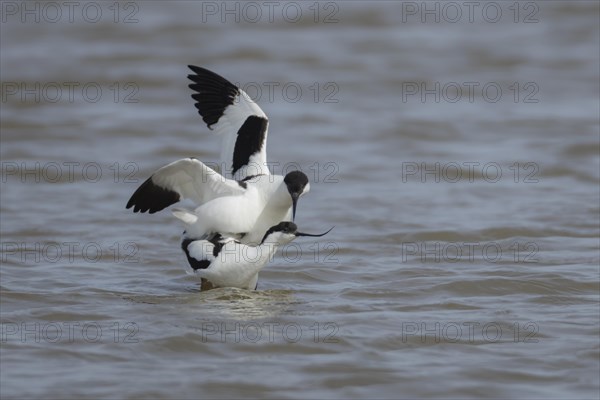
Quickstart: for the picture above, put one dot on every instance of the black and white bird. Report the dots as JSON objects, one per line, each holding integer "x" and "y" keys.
{"x": 243, "y": 209}
{"x": 226, "y": 262}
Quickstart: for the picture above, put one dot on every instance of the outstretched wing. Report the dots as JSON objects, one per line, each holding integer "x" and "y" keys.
{"x": 231, "y": 113}
{"x": 187, "y": 178}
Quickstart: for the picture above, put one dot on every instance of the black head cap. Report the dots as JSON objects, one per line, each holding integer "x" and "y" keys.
{"x": 285, "y": 227}
{"x": 295, "y": 181}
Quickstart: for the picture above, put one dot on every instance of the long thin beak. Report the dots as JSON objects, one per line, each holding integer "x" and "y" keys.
{"x": 310, "y": 234}
{"x": 294, "y": 202}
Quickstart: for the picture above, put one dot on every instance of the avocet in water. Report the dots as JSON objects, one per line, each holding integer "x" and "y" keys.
{"x": 226, "y": 262}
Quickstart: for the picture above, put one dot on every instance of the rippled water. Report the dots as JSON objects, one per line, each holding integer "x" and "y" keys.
{"x": 459, "y": 162}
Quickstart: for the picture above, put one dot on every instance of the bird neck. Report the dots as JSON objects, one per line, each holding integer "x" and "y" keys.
{"x": 273, "y": 189}
{"x": 268, "y": 248}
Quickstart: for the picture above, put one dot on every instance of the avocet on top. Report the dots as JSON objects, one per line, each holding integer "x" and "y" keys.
{"x": 244, "y": 209}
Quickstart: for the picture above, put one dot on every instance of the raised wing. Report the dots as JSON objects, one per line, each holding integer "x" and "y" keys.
{"x": 187, "y": 178}
{"x": 231, "y": 113}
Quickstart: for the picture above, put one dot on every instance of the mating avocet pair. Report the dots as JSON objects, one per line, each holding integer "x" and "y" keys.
{"x": 240, "y": 216}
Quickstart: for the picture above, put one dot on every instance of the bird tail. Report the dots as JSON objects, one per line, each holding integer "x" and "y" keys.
{"x": 186, "y": 216}
{"x": 193, "y": 226}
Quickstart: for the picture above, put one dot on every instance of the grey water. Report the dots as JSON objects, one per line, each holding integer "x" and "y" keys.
{"x": 455, "y": 148}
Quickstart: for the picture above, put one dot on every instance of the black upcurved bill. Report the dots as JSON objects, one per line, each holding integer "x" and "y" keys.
{"x": 313, "y": 235}
{"x": 294, "y": 203}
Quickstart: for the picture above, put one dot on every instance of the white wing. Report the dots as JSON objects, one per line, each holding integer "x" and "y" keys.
{"x": 187, "y": 178}
{"x": 231, "y": 113}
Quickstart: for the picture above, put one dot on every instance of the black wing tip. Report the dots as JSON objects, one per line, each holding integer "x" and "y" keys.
{"x": 213, "y": 94}
{"x": 197, "y": 71}
{"x": 152, "y": 198}
{"x": 203, "y": 73}
{"x": 205, "y": 76}
{"x": 139, "y": 208}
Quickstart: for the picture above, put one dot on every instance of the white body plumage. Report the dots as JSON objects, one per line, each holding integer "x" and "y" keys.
{"x": 226, "y": 262}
